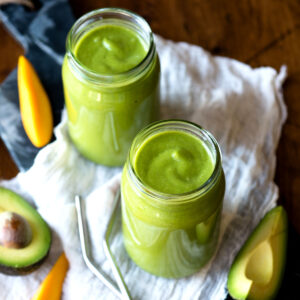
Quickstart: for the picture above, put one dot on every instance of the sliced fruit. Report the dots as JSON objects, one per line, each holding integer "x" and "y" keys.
{"x": 35, "y": 106}
{"x": 25, "y": 237}
{"x": 51, "y": 287}
{"x": 258, "y": 268}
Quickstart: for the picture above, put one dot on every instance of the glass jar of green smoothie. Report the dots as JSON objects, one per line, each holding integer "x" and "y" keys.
{"x": 172, "y": 193}
{"x": 111, "y": 83}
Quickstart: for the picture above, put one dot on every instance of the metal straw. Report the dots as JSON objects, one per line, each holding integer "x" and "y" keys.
{"x": 85, "y": 248}
{"x": 116, "y": 271}
{"x": 122, "y": 292}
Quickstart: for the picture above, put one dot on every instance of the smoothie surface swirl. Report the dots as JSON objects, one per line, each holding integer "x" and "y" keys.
{"x": 173, "y": 162}
{"x": 110, "y": 49}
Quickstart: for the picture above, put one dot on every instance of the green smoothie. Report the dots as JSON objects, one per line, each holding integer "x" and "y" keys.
{"x": 172, "y": 192}
{"x": 110, "y": 49}
{"x": 111, "y": 86}
{"x": 173, "y": 162}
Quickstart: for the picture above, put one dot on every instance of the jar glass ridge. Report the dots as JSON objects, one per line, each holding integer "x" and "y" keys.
{"x": 105, "y": 111}
{"x": 88, "y": 20}
{"x": 181, "y": 229}
{"x": 189, "y": 128}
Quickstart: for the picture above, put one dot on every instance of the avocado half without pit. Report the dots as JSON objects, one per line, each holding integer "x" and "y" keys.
{"x": 25, "y": 238}
{"x": 258, "y": 268}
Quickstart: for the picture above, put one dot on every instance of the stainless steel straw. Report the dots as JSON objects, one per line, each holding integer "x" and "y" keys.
{"x": 121, "y": 291}
{"x": 116, "y": 271}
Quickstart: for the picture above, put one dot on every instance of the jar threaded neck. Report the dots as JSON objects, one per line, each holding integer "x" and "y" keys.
{"x": 108, "y": 16}
{"x": 180, "y": 125}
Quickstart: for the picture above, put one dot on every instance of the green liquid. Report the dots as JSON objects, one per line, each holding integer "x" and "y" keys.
{"x": 171, "y": 239}
{"x": 110, "y": 49}
{"x": 103, "y": 120}
{"x": 173, "y": 162}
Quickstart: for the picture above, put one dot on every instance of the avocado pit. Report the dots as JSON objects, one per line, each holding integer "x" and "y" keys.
{"x": 25, "y": 238}
{"x": 15, "y": 231}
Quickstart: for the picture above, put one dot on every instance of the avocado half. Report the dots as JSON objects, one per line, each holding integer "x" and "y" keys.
{"x": 26, "y": 258}
{"x": 258, "y": 268}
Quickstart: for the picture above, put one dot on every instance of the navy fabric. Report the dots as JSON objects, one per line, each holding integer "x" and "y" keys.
{"x": 42, "y": 34}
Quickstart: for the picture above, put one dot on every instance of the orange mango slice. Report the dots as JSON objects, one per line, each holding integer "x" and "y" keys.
{"x": 35, "y": 106}
{"x": 51, "y": 287}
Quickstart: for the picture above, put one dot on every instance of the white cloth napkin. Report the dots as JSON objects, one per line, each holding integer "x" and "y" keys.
{"x": 244, "y": 110}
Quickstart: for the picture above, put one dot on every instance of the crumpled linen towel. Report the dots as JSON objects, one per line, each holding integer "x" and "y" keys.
{"x": 244, "y": 110}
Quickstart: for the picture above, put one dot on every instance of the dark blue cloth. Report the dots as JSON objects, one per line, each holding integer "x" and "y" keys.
{"x": 42, "y": 33}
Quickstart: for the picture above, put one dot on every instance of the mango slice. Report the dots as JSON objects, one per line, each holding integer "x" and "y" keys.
{"x": 35, "y": 106}
{"x": 51, "y": 287}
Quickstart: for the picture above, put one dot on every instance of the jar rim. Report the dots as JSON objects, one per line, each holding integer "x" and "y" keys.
{"x": 108, "y": 79}
{"x": 177, "y": 124}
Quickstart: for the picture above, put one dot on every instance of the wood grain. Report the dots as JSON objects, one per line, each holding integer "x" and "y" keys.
{"x": 9, "y": 53}
{"x": 260, "y": 33}
{"x": 257, "y": 32}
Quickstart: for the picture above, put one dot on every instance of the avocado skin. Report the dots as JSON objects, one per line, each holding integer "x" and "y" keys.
{"x": 289, "y": 288}
{"x": 24, "y": 270}
{"x": 244, "y": 249}
{"x": 11, "y": 201}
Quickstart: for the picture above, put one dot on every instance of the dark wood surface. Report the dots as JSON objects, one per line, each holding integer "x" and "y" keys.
{"x": 258, "y": 32}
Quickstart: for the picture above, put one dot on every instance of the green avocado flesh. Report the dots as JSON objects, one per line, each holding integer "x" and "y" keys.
{"x": 17, "y": 261}
{"x": 258, "y": 268}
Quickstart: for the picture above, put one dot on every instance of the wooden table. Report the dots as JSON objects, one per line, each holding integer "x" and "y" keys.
{"x": 257, "y": 32}
{"x": 260, "y": 33}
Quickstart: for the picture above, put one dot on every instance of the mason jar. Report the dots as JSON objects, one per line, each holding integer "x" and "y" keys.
{"x": 170, "y": 214}
{"x": 111, "y": 83}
